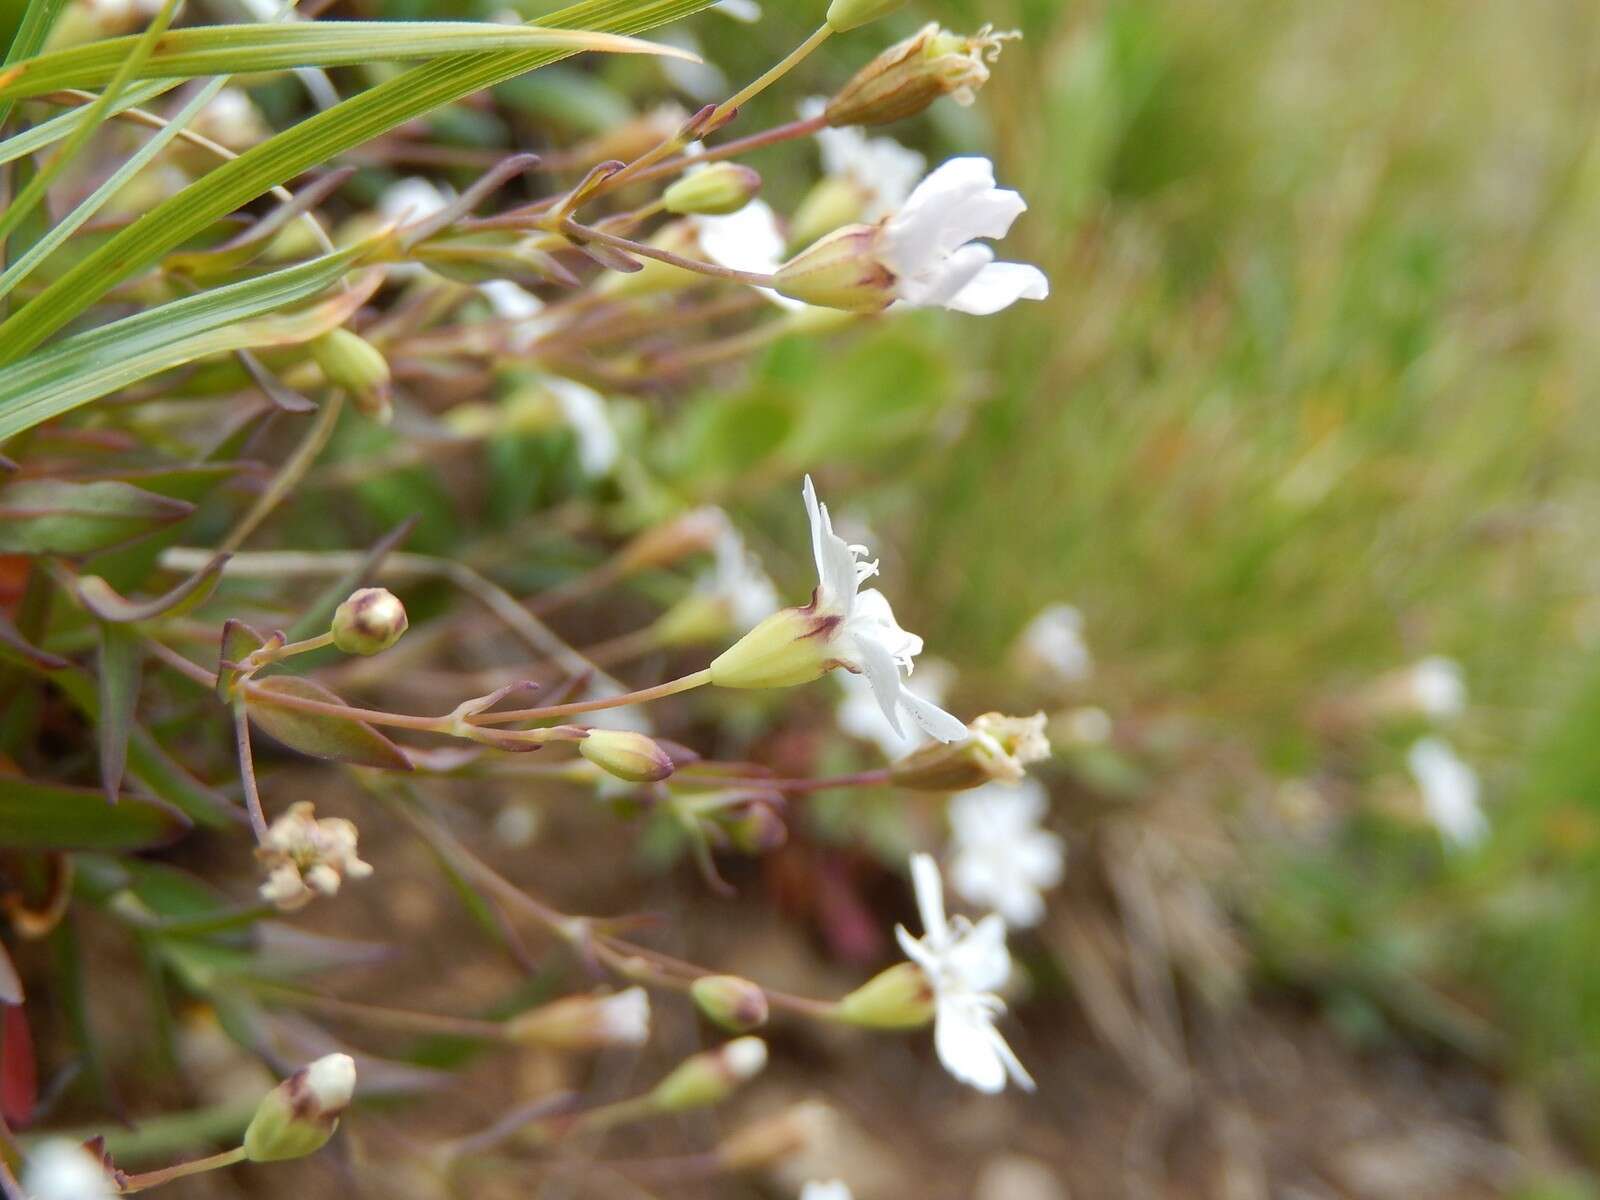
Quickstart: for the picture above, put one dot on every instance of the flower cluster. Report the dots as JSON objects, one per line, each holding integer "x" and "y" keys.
{"x": 306, "y": 857}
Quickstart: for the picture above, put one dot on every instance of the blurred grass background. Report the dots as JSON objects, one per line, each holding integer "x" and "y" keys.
{"x": 1315, "y": 396}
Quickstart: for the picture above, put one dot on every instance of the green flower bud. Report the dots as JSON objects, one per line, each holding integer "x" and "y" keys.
{"x": 733, "y": 1003}
{"x": 790, "y": 647}
{"x": 585, "y": 1022}
{"x": 298, "y": 1116}
{"x": 627, "y": 755}
{"x": 698, "y": 617}
{"x": 771, "y": 1140}
{"x": 832, "y": 204}
{"x": 910, "y": 75}
{"x": 899, "y": 998}
{"x": 716, "y": 190}
{"x": 841, "y": 270}
{"x": 369, "y": 622}
{"x": 354, "y": 364}
{"x": 845, "y": 15}
{"x": 711, "y": 1077}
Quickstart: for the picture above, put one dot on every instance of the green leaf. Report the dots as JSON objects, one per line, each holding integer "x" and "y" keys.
{"x": 54, "y": 516}
{"x": 317, "y": 734}
{"x": 121, "y": 661}
{"x": 46, "y": 133}
{"x": 31, "y": 34}
{"x": 241, "y": 49}
{"x": 309, "y": 144}
{"x": 239, "y": 641}
{"x": 89, "y": 365}
{"x": 53, "y": 816}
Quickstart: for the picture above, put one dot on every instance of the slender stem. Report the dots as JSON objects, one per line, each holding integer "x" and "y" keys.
{"x": 672, "y": 687}
{"x": 289, "y": 475}
{"x": 150, "y": 1179}
{"x": 755, "y": 141}
{"x": 583, "y": 233}
{"x": 247, "y": 771}
{"x": 873, "y": 778}
{"x": 392, "y": 1018}
{"x": 729, "y": 107}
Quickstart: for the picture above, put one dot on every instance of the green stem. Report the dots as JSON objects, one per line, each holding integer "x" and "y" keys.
{"x": 150, "y": 1179}
{"x": 289, "y": 475}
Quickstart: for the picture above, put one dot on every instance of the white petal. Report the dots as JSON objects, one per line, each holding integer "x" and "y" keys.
{"x": 836, "y": 563}
{"x": 875, "y": 661}
{"x": 929, "y": 889}
{"x": 997, "y": 286}
{"x": 963, "y": 1037}
{"x": 979, "y": 958}
{"x": 932, "y": 719}
{"x": 938, "y": 284}
{"x": 747, "y": 240}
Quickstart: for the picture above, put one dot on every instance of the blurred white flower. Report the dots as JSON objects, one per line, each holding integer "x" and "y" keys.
{"x": 702, "y": 81}
{"x": 859, "y": 715}
{"x": 747, "y": 11}
{"x": 747, "y": 240}
{"x": 931, "y": 243}
{"x": 882, "y": 170}
{"x": 1449, "y": 789}
{"x": 514, "y": 303}
{"x": 833, "y": 1189}
{"x": 306, "y": 857}
{"x": 737, "y": 580}
{"x": 1438, "y": 687}
{"x": 230, "y": 119}
{"x": 584, "y": 411}
{"x": 1089, "y": 725}
{"x": 410, "y": 200}
{"x": 624, "y": 1017}
{"x": 60, "y": 1169}
{"x": 865, "y": 635}
{"x": 1000, "y": 858}
{"x": 964, "y": 964}
{"x": 1054, "y": 640}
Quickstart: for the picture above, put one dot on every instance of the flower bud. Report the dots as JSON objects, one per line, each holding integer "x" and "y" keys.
{"x": 842, "y": 270}
{"x": 627, "y": 755}
{"x": 351, "y": 362}
{"x": 692, "y": 532}
{"x": 909, "y": 76}
{"x": 899, "y": 998}
{"x": 698, "y": 617}
{"x": 714, "y": 191}
{"x": 369, "y": 622}
{"x": 832, "y": 204}
{"x": 710, "y": 1077}
{"x": 769, "y": 1141}
{"x": 845, "y": 15}
{"x": 733, "y": 1003}
{"x": 62, "y": 1169}
{"x": 790, "y": 647}
{"x": 755, "y": 828}
{"x": 298, "y": 1116}
{"x": 999, "y": 750}
{"x": 585, "y": 1022}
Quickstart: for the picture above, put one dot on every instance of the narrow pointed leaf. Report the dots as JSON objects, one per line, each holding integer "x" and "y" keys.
{"x": 51, "y": 816}
{"x": 317, "y": 734}
{"x": 53, "y": 516}
{"x": 239, "y": 641}
{"x": 121, "y": 660}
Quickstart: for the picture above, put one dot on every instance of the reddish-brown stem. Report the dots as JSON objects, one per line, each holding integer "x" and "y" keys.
{"x": 247, "y": 771}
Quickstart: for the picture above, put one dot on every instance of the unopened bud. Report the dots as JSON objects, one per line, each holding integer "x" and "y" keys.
{"x": 767, "y": 1142}
{"x": 689, "y": 533}
{"x": 755, "y": 828}
{"x": 899, "y": 998}
{"x": 585, "y": 1022}
{"x": 369, "y": 622}
{"x": 733, "y": 1003}
{"x": 832, "y": 204}
{"x": 791, "y": 647}
{"x": 698, "y": 617}
{"x": 627, "y": 755}
{"x": 62, "y": 1169}
{"x": 355, "y": 364}
{"x": 842, "y": 270}
{"x": 298, "y": 1116}
{"x": 845, "y": 15}
{"x": 999, "y": 750}
{"x": 711, "y": 1077}
{"x": 713, "y": 191}
{"x": 909, "y": 76}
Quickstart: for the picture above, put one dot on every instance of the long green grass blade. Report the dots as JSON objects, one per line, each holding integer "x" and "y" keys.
{"x": 311, "y": 143}
{"x": 242, "y": 49}
{"x": 30, "y": 196}
{"x": 89, "y": 365}
{"x": 91, "y": 204}
{"x": 36, "y": 25}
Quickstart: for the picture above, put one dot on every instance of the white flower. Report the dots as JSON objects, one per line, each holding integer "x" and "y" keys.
{"x": 1001, "y": 859}
{"x": 964, "y": 964}
{"x": 1438, "y": 687}
{"x": 1449, "y": 791}
{"x": 859, "y": 715}
{"x": 867, "y": 640}
{"x": 1086, "y": 726}
{"x": 882, "y": 170}
{"x": 747, "y": 11}
{"x": 411, "y": 200}
{"x": 624, "y": 1017}
{"x": 747, "y": 240}
{"x": 834, "y": 1189}
{"x": 930, "y": 243}
{"x": 60, "y": 1169}
{"x": 584, "y": 411}
{"x": 1054, "y": 640}
{"x": 737, "y": 580}
{"x": 514, "y": 303}
{"x": 698, "y": 78}
{"x": 330, "y": 1082}
{"x": 230, "y": 118}
{"x": 306, "y": 857}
